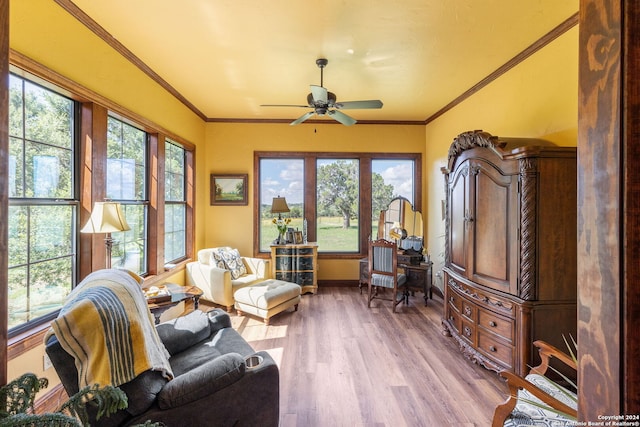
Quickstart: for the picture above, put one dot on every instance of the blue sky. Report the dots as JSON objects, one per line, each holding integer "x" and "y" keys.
{"x": 284, "y": 177}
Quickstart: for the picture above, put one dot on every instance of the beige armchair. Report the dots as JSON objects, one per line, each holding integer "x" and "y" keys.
{"x": 218, "y": 278}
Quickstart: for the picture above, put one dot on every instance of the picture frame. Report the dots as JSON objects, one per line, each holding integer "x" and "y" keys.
{"x": 229, "y": 189}
{"x": 297, "y": 237}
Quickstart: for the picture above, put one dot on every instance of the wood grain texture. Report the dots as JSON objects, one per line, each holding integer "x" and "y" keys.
{"x": 599, "y": 209}
{"x": 4, "y": 177}
{"x": 631, "y": 298}
{"x": 342, "y": 363}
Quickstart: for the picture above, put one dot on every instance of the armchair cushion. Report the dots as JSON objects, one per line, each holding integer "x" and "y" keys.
{"x": 183, "y": 332}
{"x": 530, "y": 411}
{"x": 202, "y": 381}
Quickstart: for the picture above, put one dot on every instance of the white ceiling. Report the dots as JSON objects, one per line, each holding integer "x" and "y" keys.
{"x": 227, "y": 57}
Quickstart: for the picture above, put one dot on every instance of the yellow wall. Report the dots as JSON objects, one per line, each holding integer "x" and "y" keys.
{"x": 230, "y": 149}
{"x": 538, "y": 98}
{"x": 46, "y": 33}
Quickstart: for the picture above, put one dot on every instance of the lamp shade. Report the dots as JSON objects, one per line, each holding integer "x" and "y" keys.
{"x": 279, "y": 205}
{"x": 106, "y": 217}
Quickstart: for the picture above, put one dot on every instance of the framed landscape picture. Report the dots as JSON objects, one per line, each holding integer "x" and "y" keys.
{"x": 229, "y": 189}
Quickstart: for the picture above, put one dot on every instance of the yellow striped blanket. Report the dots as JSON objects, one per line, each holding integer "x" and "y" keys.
{"x": 105, "y": 324}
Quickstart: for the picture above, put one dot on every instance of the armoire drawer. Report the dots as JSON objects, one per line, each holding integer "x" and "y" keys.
{"x": 468, "y": 331}
{"x": 496, "y": 324}
{"x": 495, "y": 348}
{"x": 468, "y": 311}
{"x": 455, "y": 300}
{"x": 454, "y": 319}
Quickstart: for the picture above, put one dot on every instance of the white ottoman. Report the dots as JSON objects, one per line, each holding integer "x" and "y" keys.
{"x": 268, "y": 298}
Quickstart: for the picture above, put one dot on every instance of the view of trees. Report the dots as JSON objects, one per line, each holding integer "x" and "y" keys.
{"x": 338, "y": 197}
{"x": 42, "y": 208}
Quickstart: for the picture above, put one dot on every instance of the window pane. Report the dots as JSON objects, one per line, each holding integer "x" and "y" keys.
{"x": 16, "y": 168}
{"x": 42, "y": 201}
{"x": 175, "y": 205}
{"x": 174, "y": 171}
{"x": 130, "y": 247}
{"x": 126, "y": 182}
{"x": 48, "y": 171}
{"x": 48, "y": 116}
{"x": 50, "y": 239}
{"x": 18, "y": 235}
{"x": 174, "y": 232}
{"x": 338, "y": 201}
{"x": 126, "y": 166}
{"x": 390, "y": 178}
{"x": 284, "y": 178}
{"x": 42, "y": 276}
{"x": 16, "y": 121}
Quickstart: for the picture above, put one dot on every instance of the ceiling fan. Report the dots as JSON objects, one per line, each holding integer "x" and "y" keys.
{"x": 324, "y": 102}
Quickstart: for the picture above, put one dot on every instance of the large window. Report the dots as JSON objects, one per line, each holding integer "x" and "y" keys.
{"x": 175, "y": 208}
{"x": 338, "y": 197}
{"x": 70, "y": 147}
{"x": 43, "y": 202}
{"x": 280, "y": 177}
{"x": 126, "y": 183}
{"x": 337, "y": 205}
{"x": 390, "y": 178}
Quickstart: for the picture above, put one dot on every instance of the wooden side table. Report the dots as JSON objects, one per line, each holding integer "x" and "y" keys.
{"x": 296, "y": 263}
{"x": 178, "y": 294}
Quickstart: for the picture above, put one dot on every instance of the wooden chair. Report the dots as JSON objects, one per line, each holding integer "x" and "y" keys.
{"x": 383, "y": 271}
{"x": 518, "y": 410}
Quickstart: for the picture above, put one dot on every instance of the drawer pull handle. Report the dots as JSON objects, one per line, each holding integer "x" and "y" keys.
{"x": 451, "y": 318}
{"x": 492, "y": 348}
{"x": 493, "y": 324}
{"x": 452, "y": 299}
{"x": 467, "y": 311}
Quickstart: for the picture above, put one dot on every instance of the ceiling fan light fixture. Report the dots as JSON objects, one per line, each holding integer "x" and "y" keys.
{"x": 324, "y": 102}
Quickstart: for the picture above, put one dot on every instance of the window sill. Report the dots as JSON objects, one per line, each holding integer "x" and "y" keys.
{"x": 34, "y": 337}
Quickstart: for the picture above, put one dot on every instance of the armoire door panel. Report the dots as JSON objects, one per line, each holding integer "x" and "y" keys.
{"x": 494, "y": 227}
{"x": 458, "y": 205}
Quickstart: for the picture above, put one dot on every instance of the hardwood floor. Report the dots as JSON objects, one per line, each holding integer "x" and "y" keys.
{"x": 342, "y": 363}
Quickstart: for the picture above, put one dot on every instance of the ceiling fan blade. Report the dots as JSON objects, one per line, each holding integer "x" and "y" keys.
{"x": 283, "y": 105}
{"x": 352, "y": 105}
{"x": 301, "y": 118}
{"x": 319, "y": 93}
{"x": 342, "y": 117}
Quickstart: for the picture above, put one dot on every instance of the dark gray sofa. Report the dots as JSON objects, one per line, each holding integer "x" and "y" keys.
{"x": 212, "y": 384}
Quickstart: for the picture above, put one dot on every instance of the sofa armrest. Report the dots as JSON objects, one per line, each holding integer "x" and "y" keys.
{"x": 218, "y": 320}
{"x": 215, "y": 282}
{"x": 259, "y": 266}
{"x": 202, "y": 381}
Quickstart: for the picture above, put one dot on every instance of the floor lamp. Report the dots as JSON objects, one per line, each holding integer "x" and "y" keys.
{"x": 106, "y": 217}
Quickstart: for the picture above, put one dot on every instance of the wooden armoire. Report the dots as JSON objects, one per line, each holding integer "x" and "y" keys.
{"x": 510, "y": 258}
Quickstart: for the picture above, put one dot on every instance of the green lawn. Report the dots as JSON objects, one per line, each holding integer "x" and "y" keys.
{"x": 331, "y": 236}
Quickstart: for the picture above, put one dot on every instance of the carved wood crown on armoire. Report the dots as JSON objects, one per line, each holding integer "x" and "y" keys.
{"x": 510, "y": 258}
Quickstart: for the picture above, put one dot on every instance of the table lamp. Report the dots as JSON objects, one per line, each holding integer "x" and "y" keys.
{"x": 106, "y": 217}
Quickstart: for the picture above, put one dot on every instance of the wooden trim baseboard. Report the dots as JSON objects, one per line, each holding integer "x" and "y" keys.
{"x": 51, "y": 400}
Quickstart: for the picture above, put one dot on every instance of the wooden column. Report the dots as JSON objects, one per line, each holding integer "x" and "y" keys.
{"x": 4, "y": 184}
{"x": 608, "y": 208}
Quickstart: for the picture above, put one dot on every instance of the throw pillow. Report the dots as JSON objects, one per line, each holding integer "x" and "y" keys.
{"x": 233, "y": 262}
{"x": 216, "y": 259}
